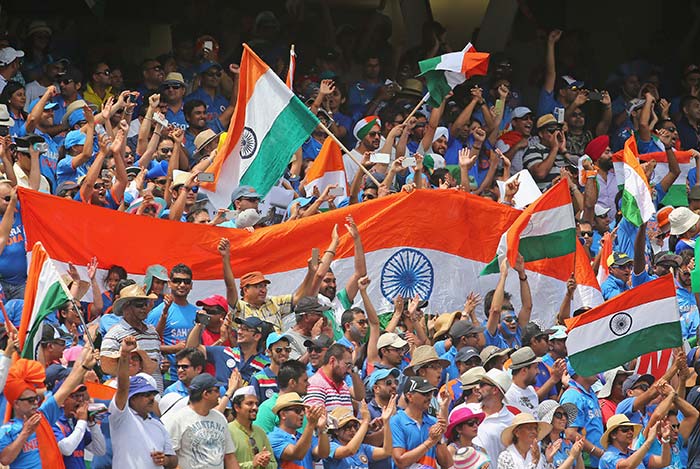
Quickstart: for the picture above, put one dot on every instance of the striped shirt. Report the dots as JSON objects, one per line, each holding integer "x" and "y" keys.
{"x": 272, "y": 311}
{"x": 148, "y": 341}
{"x": 323, "y": 391}
{"x": 265, "y": 384}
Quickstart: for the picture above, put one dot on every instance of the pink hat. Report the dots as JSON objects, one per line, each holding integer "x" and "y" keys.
{"x": 460, "y": 415}
{"x": 469, "y": 458}
{"x": 71, "y": 354}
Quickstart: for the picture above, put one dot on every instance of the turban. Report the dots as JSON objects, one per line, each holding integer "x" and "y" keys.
{"x": 364, "y": 125}
{"x": 24, "y": 374}
{"x": 597, "y": 146}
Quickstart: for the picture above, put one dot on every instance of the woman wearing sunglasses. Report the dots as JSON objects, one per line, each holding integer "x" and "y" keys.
{"x": 557, "y": 449}
{"x": 347, "y": 433}
{"x": 619, "y": 438}
{"x": 462, "y": 427}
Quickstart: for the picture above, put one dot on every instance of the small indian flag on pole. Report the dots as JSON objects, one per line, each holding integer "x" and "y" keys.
{"x": 328, "y": 168}
{"x": 641, "y": 320}
{"x": 637, "y": 205}
{"x": 45, "y": 292}
{"x": 292, "y": 67}
{"x": 446, "y": 71}
{"x": 545, "y": 230}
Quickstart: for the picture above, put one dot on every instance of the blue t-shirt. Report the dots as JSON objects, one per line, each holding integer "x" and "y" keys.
{"x": 48, "y": 161}
{"x": 279, "y": 440}
{"x": 177, "y": 387}
{"x": 501, "y": 341}
{"x": 547, "y": 103}
{"x": 13, "y": 259}
{"x": 677, "y": 459}
{"x": 265, "y": 384}
{"x": 688, "y": 309}
{"x": 226, "y": 359}
{"x": 613, "y": 455}
{"x": 544, "y": 373}
{"x": 215, "y": 106}
{"x": 177, "y": 327}
{"x": 406, "y": 433}
{"x": 310, "y": 149}
{"x": 176, "y": 118}
{"x": 360, "y": 94}
{"x": 359, "y": 460}
{"x": 62, "y": 429}
{"x": 589, "y": 417}
{"x": 66, "y": 172}
{"x": 562, "y": 453}
{"x": 109, "y": 203}
{"x": 613, "y": 286}
{"x": 28, "y": 458}
{"x": 626, "y": 407}
{"x": 107, "y": 321}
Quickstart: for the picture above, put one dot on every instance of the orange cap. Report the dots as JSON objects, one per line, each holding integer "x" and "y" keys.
{"x": 662, "y": 216}
{"x": 251, "y": 278}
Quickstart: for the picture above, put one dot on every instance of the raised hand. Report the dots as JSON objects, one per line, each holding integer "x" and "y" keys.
{"x": 224, "y": 247}
{"x": 390, "y": 409}
{"x": 128, "y": 345}
{"x": 554, "y": 36}
{"x": 363, "y": 283}
{"x": 73, "y": 272}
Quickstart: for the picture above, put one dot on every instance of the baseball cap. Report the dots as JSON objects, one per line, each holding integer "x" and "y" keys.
{"x": 390, "y": 339}
{"x": 75, "y": 137}
{"x": 253, "y": 278}
{"x": 66, "y": 186}
{"x": 24, "y": 143}
{"x": 418, "y": 384}
{"x": 381, "y": 373}
{"x": 244, "y": 191}
{"x": 520, "y": 112}
{"x": 559, "y": 333}
{"x": 202, "y": 382}
{"x": 618, "y": 259}
{"x": 635, "y": 379}
{"x": 273, "y": 338}
{"x": 322, "y": 341}
{"x": 571, "y": 82}
{"x": 47, "y": 107}
{"x": 665, "y": 257}
{"x": 214, "y": 300}
{"x": 601, "y": 211}
{"x": 462, "y": 328}
{"x": 635, "y": 104}
{"x": 207, "y": 65}
{"x": 9, "y": 55}
{"x": 49, "y": 333}
{"x": 308, "y": 304}
{"x": 466, "y": 353}
{"x": 251, "y": 321}
{"x": 140, "y": 385}
{"x": 54, "y": 374}
{"x": 531, "y": 330}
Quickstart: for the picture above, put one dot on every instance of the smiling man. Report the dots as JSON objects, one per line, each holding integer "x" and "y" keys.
{"x": 620, "y": 268}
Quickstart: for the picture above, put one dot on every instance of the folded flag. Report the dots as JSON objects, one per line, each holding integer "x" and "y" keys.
{"x": 605, "y": 252}
{"x": 400, "y": 257}
{"x": 544, "y": 230}
{"x": 677, "y": 195}
{"x": 637, "y": 204}
{"x": 641, "y": 320}
{"x": 328, "y": 168}
{"x": 45, "y": 292}
{"x": 444, "y": 72}
{"x": 269, "y": 124}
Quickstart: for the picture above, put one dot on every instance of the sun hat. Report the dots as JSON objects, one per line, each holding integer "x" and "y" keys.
{"x": 109, "y": 361}
{"x": 469, "y": 458}
{"x": 155, "y": 271}
{"x": 131, "y": 292}
{"x": 443, "y": 323}
{"x": 140, "y": 385}
{"x": 423, "y": 355}
{"x": 491, "y": 351}
{"x": 547, "y": 409}
{"x": 253, "y": 278}
{"x": 682, "y": 219}
{"x": 609, "y": 377}
{"x": 459, "y": 416}
{"x": 390, "y": 339}
{"x": 498, "y": 378}
{"x": 470, "y": 378}
{"x": 618, "y": 420}
{"x": 289, "y": 399}
{"x": 523, "y": 357}
{"x": 340, "y": 416}
{"x": 521, "y": 419}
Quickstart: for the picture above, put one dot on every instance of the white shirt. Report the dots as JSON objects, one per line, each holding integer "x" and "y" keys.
{"x": 524, "y": 399}
{"x": 489, "y": 433}
{"x": 133, "y": 439}
{"x": 512, "y": 459}
{"x": 199, "y": 441}
{"x": 23, "y": 180}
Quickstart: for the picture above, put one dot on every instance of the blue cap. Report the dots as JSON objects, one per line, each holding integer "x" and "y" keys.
{"x": 274, "y": 338}
{"x": 139, "y": 385}
{"x": 244, "y": 191}
{"x": 381, "y": 373}
{"x": 47, "y": 106}
{"x": 73, "y": 138}
{"x": 202, "y": 382}
{"x": 303, "y": 202}
{"x": 204, "y": 66}
{"x": 158, "y": 170}
{"x": 251, "y": 321}
{"x": 75, "y": 117}
{"x": 55, "y": 373}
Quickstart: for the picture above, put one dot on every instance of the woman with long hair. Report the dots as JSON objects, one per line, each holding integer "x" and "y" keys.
{"x": 462, "y": 427}
{"x": 14, "y": 97}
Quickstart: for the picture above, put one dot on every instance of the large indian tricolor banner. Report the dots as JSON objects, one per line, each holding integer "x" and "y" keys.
{"x": 641, "y": 320}
{"x": 411, "y": 247}
{"x": 269, "y": 124}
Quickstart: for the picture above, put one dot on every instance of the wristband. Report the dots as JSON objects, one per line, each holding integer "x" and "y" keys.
{"x": 85, "y": 367}
{"x": 522, "y": 279}
{"x": 665, "y": 440}
{"x": 328, "y": 250}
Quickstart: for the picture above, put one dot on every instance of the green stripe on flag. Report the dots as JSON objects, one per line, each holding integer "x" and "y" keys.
{"x": 437, "y": 86}
{"x": 695, "y": 273}
{"x": 677, "y": 196}
{"x": 430, "y": 64}
{"x": 289, "y": 131}
{"x": 630, "y": 209}
{"x": 606, "y": 356}
{"x": 54, "y": 298}
{"x": 551, "y": 245}
{"x": 492, "y": 267}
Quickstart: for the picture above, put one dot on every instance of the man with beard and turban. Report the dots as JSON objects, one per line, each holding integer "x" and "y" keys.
{"x": 27, "y": 440}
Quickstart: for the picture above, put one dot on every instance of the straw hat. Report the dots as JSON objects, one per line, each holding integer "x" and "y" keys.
{"x": 422, "y": 356}
{"x": 132, "y": 292}
{"x": 289, "y": 399}
{"x": 618, "y": 420}
{"x": 543, "y": 428}
{"x": 444, "y": 322}
{"x": 340, "y": 416}
{"x": 109, "y": 361}
{"x": 83, "y": 286}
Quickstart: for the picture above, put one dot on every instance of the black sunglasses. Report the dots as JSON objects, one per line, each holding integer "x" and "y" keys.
{"x": 139, "y": 303}
{"x": 65, "y": 81}
{"x": 186, "y": 281}
{"x": 172, "y": 87}
{"x": 7, "y": 198}
{"x": 38, "y": 398}
{"x": 214, "y": 74}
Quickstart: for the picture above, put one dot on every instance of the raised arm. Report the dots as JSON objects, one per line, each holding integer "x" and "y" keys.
{"x": 146, "y": 123}
{"x": 550, "y": 74}
{"x": 433, "y": 123}
{"x": 674, "y": 169}
{"x": 606, "y": 118}
{"x": 639, "y": 263}
{"x": 85, "y": 363}
{"x": 525, "y": 294}
{"x": 87, "y": 188}
{"x": 224, "y": 249}
{"x": 8, "y": 219}
{"x": 85, "y": 155}
{"x": 118, "y": 147}
{"x": 35, "y": 114}
{"x": 645, "y": 117}
{"x": 359, "y": 257}
{"x": 325, "y": 263}
{"x": 466, "y": 114}
{"x": 497, "y": 300}
{"x": 121, "y": 398}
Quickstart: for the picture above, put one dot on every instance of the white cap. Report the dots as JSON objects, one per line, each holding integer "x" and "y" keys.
{"x": 245, "y": 391}
{"x": 9, "y": 55}
{"x": 601, "y": 211}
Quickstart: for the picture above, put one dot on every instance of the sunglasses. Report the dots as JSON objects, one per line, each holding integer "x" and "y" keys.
{"x": 560, "y": 415}
{"x": 362, "y": 322}
{"x": 675, "y": 426}
{"x": 253, "y": 445}
{"x": 472, "y": 422}
{"x": 104, "y": 72}
{"x": 391, "y": 382}
{"x": 186, "y": 281}
{"x": 161, "y": 182}
{"x": 625, "y": 429}
{"x": 166, "y": 150}
{"x": 296, "y": 410}
{"x": 671, "y": 129}
{"x": 65, "y": 81}
{"x": 213, "y": 74}
{"x": 182, "y": 366}
{"x": 280, "y": 349}
{"x": 172, "y": 87}
{"x": 98, "y": 186}
{"x": 314, "y": 349}
{"x": 586, "y": 234}
{"x": 139, "y": 303}
{"x": 7, "y": 198}
{"x": 38, "y": 398}
{"x": 351, "y": 426}
{"x": 373, "y": 133}
{"x": 643, "y": 387}
{"x": 250, "y": 199}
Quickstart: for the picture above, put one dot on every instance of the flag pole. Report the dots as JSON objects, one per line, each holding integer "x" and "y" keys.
{"x": 79, "y": 311}
{"x": 420, "y": 104}
{"x": 342, "y": 147}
